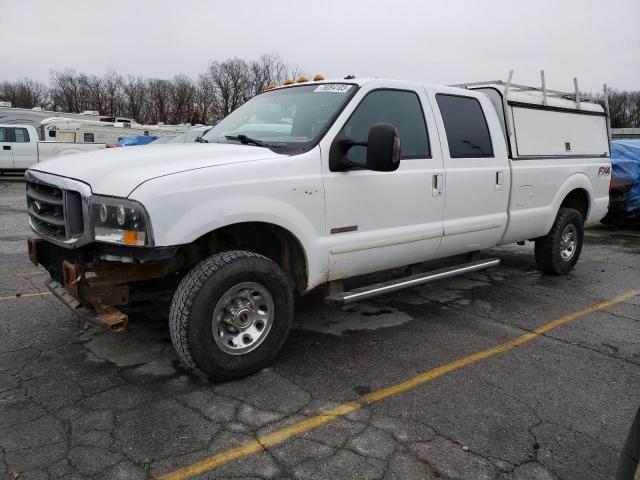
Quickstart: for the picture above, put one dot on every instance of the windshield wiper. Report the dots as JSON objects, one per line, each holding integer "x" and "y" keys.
{"x": 247, "y": 140}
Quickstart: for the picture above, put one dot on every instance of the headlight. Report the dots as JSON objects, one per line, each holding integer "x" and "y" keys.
{"x": 118, "y": 220}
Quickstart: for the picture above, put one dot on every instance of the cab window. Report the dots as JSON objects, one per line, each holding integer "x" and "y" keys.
{"x": 400, "y": 108}
{"x": 21, "y": 135}
{"x": 465, "y": 125}
{"x": 4, "y": 134}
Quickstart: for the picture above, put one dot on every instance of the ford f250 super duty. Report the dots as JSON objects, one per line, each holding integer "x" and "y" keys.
{"x": 308, "y": 184}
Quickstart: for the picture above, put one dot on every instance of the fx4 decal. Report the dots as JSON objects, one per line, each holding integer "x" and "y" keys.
{"x": 604, "y": 171}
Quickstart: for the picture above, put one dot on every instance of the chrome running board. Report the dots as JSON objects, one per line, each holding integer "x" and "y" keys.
{"x": 383, "y": 288}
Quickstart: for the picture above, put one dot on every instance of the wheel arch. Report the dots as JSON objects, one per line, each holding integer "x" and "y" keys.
{"x": 576, "y": 192}
{"x": 578, "y": 199}
{"x": 269, "y": 239}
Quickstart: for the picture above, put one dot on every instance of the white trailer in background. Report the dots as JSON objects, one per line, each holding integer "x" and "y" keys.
{"x": 72, "y": 127}
{"x": 103, "y": 130}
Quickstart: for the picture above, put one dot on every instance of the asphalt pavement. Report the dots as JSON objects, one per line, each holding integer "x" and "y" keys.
{"x": 503, "y": 374}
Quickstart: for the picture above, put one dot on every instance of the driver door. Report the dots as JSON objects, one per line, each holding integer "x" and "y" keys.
{"x": 380, "y": 220}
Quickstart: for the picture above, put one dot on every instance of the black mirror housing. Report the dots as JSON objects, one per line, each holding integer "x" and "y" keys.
{"x": 383, "y": 148}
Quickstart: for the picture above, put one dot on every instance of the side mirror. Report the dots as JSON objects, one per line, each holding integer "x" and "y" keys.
{"x": 383, "y": 148}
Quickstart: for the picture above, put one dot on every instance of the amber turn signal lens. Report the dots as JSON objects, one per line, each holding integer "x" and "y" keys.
{"x": 131, "y": 237}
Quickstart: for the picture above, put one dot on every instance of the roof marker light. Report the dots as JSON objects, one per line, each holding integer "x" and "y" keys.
{"x": 288, "y": 81}
{"x": 302, "y": 79}
{"x": 271, "y": 86}
{"x": 351, "y": 76}
{"x": 318, "y": 77}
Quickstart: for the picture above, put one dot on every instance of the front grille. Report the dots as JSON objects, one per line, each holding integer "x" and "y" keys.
{"x": 53, "y": 211}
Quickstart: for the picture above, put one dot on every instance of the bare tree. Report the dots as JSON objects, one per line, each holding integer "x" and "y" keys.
{"x": 135, "y": 97}
{"x": 182, "y": 99}
{"x": 222, "y": 88}
{"x": 25, "y": 93}
{"x": 624, "y": 108}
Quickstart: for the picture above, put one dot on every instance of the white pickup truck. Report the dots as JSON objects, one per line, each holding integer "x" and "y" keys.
{"x": 20, "y": 147}
{"x": 309, "y": 184}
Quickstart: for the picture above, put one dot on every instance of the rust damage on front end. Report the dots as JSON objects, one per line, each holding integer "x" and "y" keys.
{"x": 98, "y": 290}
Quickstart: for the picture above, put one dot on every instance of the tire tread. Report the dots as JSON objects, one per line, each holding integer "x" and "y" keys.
{"x": 185, "y": 294}
{"x": 545, "y": 248}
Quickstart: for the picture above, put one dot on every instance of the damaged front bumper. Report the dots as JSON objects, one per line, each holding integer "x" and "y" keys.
{"x": 96, "y": 289}
{"x": 105, "y": 316}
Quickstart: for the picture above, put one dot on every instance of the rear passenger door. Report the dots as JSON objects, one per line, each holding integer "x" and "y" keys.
{"x": 6, "y": 152}
{"x": 24, "y": 150}
{"x": 477, "y": 177}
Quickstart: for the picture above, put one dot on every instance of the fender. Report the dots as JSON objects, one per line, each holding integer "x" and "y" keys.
{"x": 575, "y": 181}
{"x": 210, "y": 217}
{"x": 184, "y": 207}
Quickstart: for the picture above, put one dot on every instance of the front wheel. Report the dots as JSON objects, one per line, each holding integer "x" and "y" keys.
{"x": 231, "y": 314}
{"x": 559, "y": 250}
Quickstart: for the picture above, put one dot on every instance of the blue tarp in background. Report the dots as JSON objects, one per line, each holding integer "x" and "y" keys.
{"x": 136, "y": 140}
{"x": 625, "y": 164}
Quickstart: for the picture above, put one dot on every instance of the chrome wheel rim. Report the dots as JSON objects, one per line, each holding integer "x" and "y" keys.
{"x": 242, "y": 318}
{"x": 568, "y": 242}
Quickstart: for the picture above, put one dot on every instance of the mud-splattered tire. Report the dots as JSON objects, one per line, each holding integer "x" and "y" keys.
{"x": 231, "y": 314}
{"x": 558, "y": 251}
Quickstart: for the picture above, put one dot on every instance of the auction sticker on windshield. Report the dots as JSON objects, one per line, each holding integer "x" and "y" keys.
{"x": 333, "y": 87}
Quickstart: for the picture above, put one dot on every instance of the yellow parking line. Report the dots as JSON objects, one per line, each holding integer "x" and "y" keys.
{"x": 298, "y": 428}
{"x": 24, "y": 295}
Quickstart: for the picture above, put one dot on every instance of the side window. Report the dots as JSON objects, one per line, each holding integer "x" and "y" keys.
{"x": 88, "y": 138}
{"x": 400, "y": 108}
{"x": 52, "y": 133}
{"x": 21, "y": 135}
{"x": 4, "y": 134}
{"x": 466, "y": 127}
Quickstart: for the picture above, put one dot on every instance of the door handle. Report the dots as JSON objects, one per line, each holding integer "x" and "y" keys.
{"x": 6, "y": 147}
{"x": 436, "y": 185}
{"x": 499, "y": 180}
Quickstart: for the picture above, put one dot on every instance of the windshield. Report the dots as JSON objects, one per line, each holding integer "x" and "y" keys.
{"x": 289, "y": 117}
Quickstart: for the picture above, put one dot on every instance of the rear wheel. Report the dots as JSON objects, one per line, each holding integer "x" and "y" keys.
{"x": 231, "y": 314}
{"x": 559, "y": 250}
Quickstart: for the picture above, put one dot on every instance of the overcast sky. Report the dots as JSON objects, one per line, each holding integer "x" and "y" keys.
{"x": 433, "y": 41}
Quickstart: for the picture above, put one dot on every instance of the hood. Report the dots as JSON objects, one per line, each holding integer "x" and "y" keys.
{"x": 118, "y": 171}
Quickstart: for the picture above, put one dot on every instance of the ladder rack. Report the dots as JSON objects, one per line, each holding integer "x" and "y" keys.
{"x": 546, "y": 93}
{"x": 525, "y": 88}
{"x": 575, "y": 95}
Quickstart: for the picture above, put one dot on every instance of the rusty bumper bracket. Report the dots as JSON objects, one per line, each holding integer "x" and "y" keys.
{"x": 103, "y": 315}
